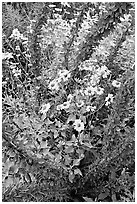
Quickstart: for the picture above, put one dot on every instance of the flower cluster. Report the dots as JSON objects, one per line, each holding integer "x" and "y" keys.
{"x": 116, "y": 84}
{"x": 80, "y": 103}
{"x": 89, "y": 65}
{"x": 16, "y": 72}
{"x": 17, "y": 35}
{"x": 64, "y": 106}
{"x": 7, "y": 55}
{"x": 70, "y": 97}
{"x": 63, "y": 76}
{"x": 54, "y": 85}
{"x": 103, "y": 71}
{"x": 109, "y": 99}
{"x": 45, "y": 108}
{"x": 78, "y": 125}
{"x": 93, "y": 90}
{"x": 90, "y": 108}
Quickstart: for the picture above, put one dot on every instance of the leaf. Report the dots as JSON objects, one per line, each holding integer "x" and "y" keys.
{"x": 58, "y": 9}
{"x": 77, "y": 171}
{"x": 86, "y": 144}
{"x": 71, "y": 118}
{"x": 51, "y": 155}
{"x": 88, "y": 199}
{"x": 69, "y": 149}
{"x": 102, "y": 196}
{"x": 43, "y": 117}
{"x": 45, "y": 151}
{"x": 114, "y": 199}
{"x": 69, "y": 143}
{"x": 76, "y": 162}
{"x": 67, "y": 160}
{"x": 113, "y": 175}
{"x": 39, "y": 156}
{"x": 81, "y": 137}
{"x": 48, "y": 122}
{"x": 81, "y": 153}
{"x": 55, "y": 134}
{"x": 41, "y": 161}
{"x": 83, "y": 118}
{"x": 13, "y": 169}
{"x": 63, "y": 133}
{"x": 44, "y": 144}
{"x": 27, "y": 178}
{"x": 58, "y": 123}
{"x": 58, "y": 158}
{"x": 12, "y": 153}
{"x": 64, "y": 127}
{"x": 71, "y": 176}
{"x": 73, "y": 138}
{"x": 8, "y": 181}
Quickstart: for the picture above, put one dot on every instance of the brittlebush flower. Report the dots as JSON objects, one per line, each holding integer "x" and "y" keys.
{"x": 54, "y": 85}
{"x": 116, "y": 84}
{"x": 90, "y": 90}
{"x": 94, "y": 80}
{"x": 109, "y": 99}
{"x": 103, "y": 71}
{"x": 78, "y": 125}
{"x": 100, "y": 91}
{"x": 16, "y": 34}
{"x": 105, "y": 74}
{"x": 64, "y": 106}
{"x": 80, "y": 104}
{"x": 45, "y": 108}
{"x": 64, "y": 75}
{"x": 90, "y": 108}
{"x": 16, "y": 72}
{"x": 70, "y": 97}
{"x": 7, "y": 55}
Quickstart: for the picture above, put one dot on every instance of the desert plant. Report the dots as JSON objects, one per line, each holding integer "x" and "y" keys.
{"x": 68, "y": 100}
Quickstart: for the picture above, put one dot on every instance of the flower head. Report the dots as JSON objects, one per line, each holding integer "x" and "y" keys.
{"x": 99, "y": 91}
{"x": 64, "y": 106}
{"x": 90, "y": 90}
{"x": 16, "y": 72}
{"x": 109, "y": 99}
{"x": 116, "y": 84}
{"x": 78, "y": 125}
{"x": 7, "y": 55}
{"x": 17, "y": 47}
{"x": 16, "y": 34}
{"x": 80, "y": 103}
{"x": 64, "y": 75}
{"x": 69, "y": 98}
{"x": 94, "y": 80}
{"x": 54, "y": 85}
{"x": 106, "y": 73}
{"x": 45, "y": 108}
{"x": 103, "y": 71}
{"x": 127, "y": 17}
{"x": 90, "y": 108}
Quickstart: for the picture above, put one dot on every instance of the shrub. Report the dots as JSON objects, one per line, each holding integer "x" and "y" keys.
{"x": 68, "y": 101}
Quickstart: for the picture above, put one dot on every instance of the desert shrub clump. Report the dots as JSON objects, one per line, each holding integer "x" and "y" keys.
{"x": 68, "y": 101}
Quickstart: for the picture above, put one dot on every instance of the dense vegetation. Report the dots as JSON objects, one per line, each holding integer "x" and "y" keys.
{"x": 68, "y": 101}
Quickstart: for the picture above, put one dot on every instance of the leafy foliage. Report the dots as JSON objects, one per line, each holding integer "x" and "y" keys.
{"x": 68, "y": 101}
